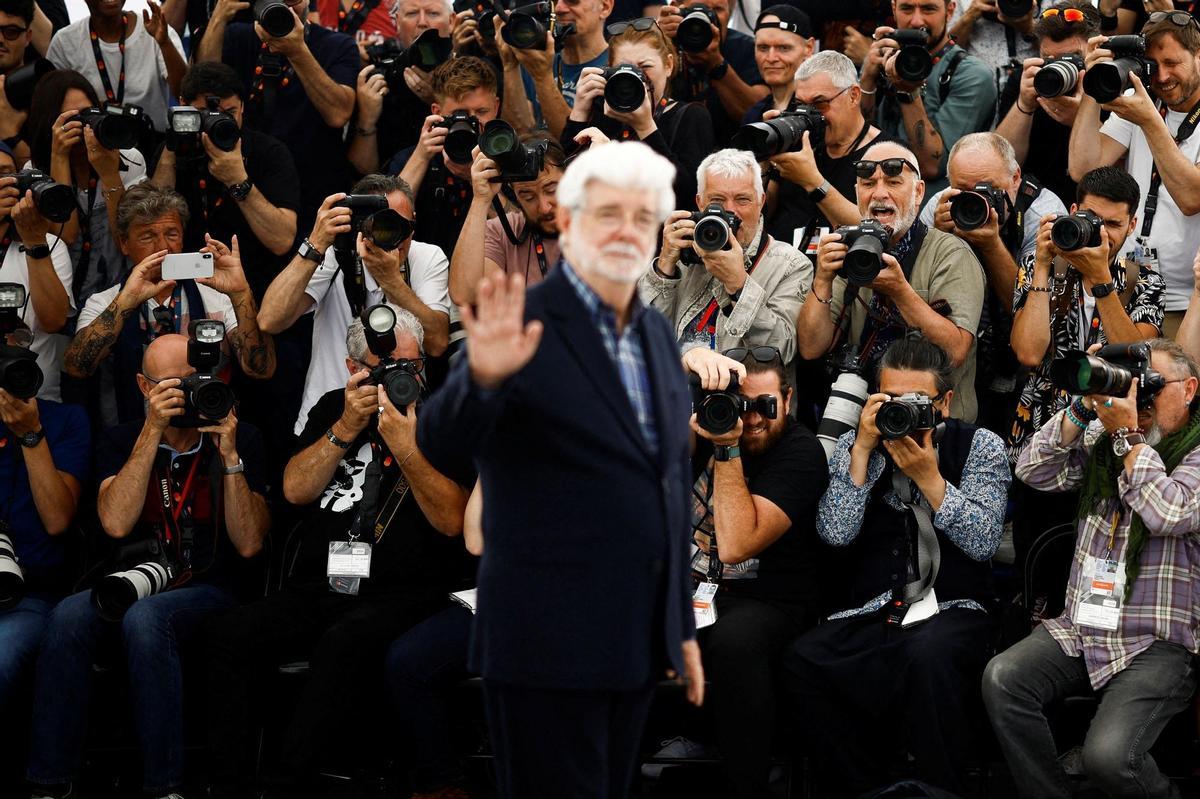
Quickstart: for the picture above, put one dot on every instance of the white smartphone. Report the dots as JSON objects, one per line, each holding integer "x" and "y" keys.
{"x": 187, "y": 266}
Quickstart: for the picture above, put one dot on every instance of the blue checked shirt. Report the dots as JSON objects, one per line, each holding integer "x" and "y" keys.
{"x": 625, "y": 349}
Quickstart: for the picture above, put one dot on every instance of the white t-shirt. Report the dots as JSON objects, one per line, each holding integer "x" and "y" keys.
{"x": 49, "y": 347}
{"x": 145, "y": 69}
{"x": 1175, "y": 236}
{"x": 742, "y": 15}
{"x": 429, "y": 277}
{"x": 216, "y": 306}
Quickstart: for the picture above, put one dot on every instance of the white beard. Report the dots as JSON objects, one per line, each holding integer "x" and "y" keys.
{"x": 1154, "y": 435}
{"x": 620, "y": 263}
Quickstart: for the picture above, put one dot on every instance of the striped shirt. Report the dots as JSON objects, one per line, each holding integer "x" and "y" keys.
{"x": 1165, "y": 602}
{"x": 625, "y": 349}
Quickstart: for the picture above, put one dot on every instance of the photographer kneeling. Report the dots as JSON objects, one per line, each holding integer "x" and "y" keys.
{"x": 758, "y": 477}
{"x": 1128, "y": 629}
{"x": 377, "y": 555}
{"x": 916, "y": 635}
{"x": 162, "y": 482}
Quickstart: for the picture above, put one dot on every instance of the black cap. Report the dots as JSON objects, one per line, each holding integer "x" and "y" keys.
{"x": 789, "y": 18}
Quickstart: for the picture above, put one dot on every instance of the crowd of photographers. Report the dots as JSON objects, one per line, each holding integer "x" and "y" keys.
{"x": 932, "y": 265}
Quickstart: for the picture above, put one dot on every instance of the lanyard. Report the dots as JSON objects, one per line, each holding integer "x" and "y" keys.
{"x": 102, "y": 68}
{"x": 173, "y": 504}
{"x": 271, "y": 73}
{"x": 707, "y": 323}
{"x": 1186, "y": 128}
{"x": 153, "y": 320}
{"x": 627, "y": 132}
{"x": 539, "y": 249}
{"x": 350, "y": 22}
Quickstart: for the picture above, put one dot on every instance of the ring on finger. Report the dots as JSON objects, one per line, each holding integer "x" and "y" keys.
{"x": 1108, "y": 403}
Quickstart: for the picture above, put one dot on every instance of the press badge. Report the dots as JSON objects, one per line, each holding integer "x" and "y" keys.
{"x": 1100, "y": 604}
{"x": 349, "y": 562}
{"x": 704, "y": 606}
{"x": 1145, "y": 255}
{"x": 809, "y": 248}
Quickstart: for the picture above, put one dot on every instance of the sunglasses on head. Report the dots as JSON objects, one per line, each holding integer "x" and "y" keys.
{"x": 763, "y": 354}
{"x": 12, "y": 32}
{"x": 639, "y": 24}
{"x": 1178, "y": 18}
{"x": 892, "y": 167}
{"x": 1068, "y": 14}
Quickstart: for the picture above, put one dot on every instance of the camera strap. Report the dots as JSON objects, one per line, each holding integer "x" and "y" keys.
{"x": 174, "y": 504}
{"x": 118, "y": 96}
{"x": 85, "y": 238}
{"x": 1186, "y": 128}
{"x": 1014, "y": 233}
{"x": 350, "y": 22}
{"x": 271, "y": 73}
{"x": 538, "y": 243}
{"x": 707, "y": 320}
{"x": 929, "y": 552}
{"x": 948, "y": 75}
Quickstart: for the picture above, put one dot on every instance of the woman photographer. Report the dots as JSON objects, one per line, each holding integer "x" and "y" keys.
{"x": 682, "y": 132}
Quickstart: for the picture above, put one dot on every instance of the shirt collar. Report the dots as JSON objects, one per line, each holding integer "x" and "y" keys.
{"x": 591, "y": 300}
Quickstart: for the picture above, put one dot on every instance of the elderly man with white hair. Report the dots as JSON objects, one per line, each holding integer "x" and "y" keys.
{"x": 929, "y": 283}
{"x": 572, "y": 405}
{"x": 745, "y": 295}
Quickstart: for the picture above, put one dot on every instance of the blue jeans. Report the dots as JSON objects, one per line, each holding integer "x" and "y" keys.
{"x": 421, "y": 665}
{"x": 152, "y": 633}
{"x": 21, "y": 630}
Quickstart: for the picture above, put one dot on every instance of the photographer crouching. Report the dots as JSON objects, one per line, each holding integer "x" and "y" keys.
{"x": 183, "y": 491}
{"x": 1130, "y": 443}
{"x": 916, "y": 633}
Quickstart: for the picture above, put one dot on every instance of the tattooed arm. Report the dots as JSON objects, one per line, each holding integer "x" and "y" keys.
{"x": 255, "y": 349}
{"x": 924, "y": 137}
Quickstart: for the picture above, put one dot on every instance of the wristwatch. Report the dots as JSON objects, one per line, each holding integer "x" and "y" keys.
{"x": 1123, "y": 440}
{"x": 38, "y": 251}
{"x": 31, "y": 440}
{"x": 237, "y": 468}
{"x": 309, "y": 251}
{"x": 718, "y": 72}
{"x": 724, "y": 453}
{"x": 904, "y": 98}
{"x": 820, "y": 192}
{"x": 240, "y": 191}
{"x": 1102, "y": 289}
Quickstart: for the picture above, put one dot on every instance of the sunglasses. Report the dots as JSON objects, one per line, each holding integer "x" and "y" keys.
{"x": 1068, "y": 14}
{"x": 892, "y": 167}
{"x": 1179, "y": 18}
{"x": 639, "y": 24}
{"x": 12, "y": 32}
{"x": 763, "y": 354}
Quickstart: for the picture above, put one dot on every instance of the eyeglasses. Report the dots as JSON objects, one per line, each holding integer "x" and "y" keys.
{"x": 892, "y": 167}
{"x": 12, "y": 32}
{"x": 763, "y": 354}
{"x": 822, "y": 104}
{"x": 1179, "y": 18}
{"x": 1068, "y": 14}
{"x": 639, "y": 24}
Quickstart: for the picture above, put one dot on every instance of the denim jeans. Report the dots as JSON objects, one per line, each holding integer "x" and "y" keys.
{"x": 1135, "y": 706}
{"x": 21, "y": 630}
{"x": 152, "y": 633}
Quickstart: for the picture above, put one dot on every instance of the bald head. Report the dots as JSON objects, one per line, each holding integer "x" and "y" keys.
{"x": 890, "y": 149}
{"x": 166, "y": 357}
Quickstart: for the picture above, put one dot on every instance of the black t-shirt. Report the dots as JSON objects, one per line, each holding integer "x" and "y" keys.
{"x": 212, "y": 557}
{"x": 793, "y": 474}
{"x": 1046, "y": 155}
{"x": 693, "y": 84}
{"x": 317, "y": 149}
{"x": 442, "y": 201}
{"x": 270, "y": 167}
{"x": 410, "y": 555}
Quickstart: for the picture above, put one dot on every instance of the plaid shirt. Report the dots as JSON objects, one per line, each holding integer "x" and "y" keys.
{"x": 625, "y": 349}
{"x": 1165, "y": 602}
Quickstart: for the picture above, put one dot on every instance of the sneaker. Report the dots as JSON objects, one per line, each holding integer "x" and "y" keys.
{"x": 171, "y": 795}
{"x": 677, "y": 748}
{"x": 50, "y": 792}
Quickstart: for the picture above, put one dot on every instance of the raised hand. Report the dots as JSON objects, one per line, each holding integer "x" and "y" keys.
{"x": 501, "y": 342}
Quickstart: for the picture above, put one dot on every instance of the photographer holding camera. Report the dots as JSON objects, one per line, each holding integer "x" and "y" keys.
{"x": 521, "y": 242}
{"x": 719, "y": 67}
{"x": 409, "y": 274}
{"x": 1159, "y": 146}
{"x": 125, "y": 318}
{"x": 903, "y": 279}
{"x": 758, "y": 479}
{"x": 933, "y": 92}
{"x": 747, "y": 292}
{"x": 186, "y": 491}
{"x": 302, "y": 90}
{"x": 917, "y": 632}
{"x": 237, "y": 181}
{"x": 1127, "y": 634}
{"x": 1000, "y": 33}
{"x": 366, "y": 485}
{"x": 1039, "y": 102}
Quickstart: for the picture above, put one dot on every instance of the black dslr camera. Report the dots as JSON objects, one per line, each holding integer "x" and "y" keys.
{"x": 1059, "y": 75}
{"x": 905, "y": 415}
{"x": 462, "y": 135}
{"x": 1109, "y": 372}
{"x": 485, "y": 13}
{"x": 914, "y": 63}
{"x": 519, "y": 162}
{"x": 1076, "y": 231}
{"x": 20, "y": 374}
{"x": 783, "y": 134}
{"x": 970, "y": 209}
{"x": 398, "y": 377}
{"x": 117, "y": 127}
{"x": 205, "y": 398}
{"x": 185, "y": 124}
{"x": 53, "y": 200}
{"x": 695, "y": 31}
{"x": 715, "y": 229}
{"x": 1108, "y": 80}
{"x": 371, "y": 216}
{"x": 526, "y": 26}
{"x": 624, "y": 88}
{"x": 866, "y": 241}
{"x": 427, "y": 52}
{"x": 718, "y": 411}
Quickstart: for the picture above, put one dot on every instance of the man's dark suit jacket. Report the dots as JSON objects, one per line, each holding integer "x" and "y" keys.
{"x": 584, "y": 582}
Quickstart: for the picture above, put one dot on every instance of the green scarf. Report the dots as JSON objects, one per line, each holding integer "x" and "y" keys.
{"x": 1100, "y": 482}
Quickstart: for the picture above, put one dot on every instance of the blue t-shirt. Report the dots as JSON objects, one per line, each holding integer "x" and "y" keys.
{"x": 69, "y": 438}
{"x": 568, "y": 74}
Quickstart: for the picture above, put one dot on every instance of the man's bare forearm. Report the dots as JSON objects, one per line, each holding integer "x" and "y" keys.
{"x": 55, "y": 493}
{"x": 736, "y": 96}
{"x": 333, "y": 101}
{"x": 274, "y": 227}
{"x": 282, "y": 300}
{"x": 1016, "y": 128}
{"x": 442, "y": 500}
{"x": 255, "y": 348}
{"x": 311, "y": 469}
{"x": 924, "y": 138}
{"x": 246, "y": 516}
{"x": 122, "y": 497}
{"x": 466, "y": 264}
{"x": 92, "y": 344}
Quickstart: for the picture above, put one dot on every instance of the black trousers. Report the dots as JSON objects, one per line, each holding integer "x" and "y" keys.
{"x": 565, "y": 744}
{"x": 864, "y": 689}
{"x": 741, "y": 659}
{"x": 344, "y": 639}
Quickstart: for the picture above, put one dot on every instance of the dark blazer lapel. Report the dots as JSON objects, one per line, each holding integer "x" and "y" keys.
{"x": 660, "y": 362}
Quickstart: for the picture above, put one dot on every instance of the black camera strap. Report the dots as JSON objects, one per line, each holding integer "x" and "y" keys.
{"x": 1186, "y": 128}
{"x": 1014, "y": 232}
{"x": 119, "y": 95}
{"x": 176, "y": 505}
{"x": 350, "y": 21}
{"x": 928, "y": 551}
{"x": 948, "y": 75}
{"x": 85, "y": 239}
{"x": 538, "y": 244}
{"x": 272, "y": 72}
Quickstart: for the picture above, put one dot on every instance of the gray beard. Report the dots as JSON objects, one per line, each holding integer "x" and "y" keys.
{"x": 1154, "y": 435}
